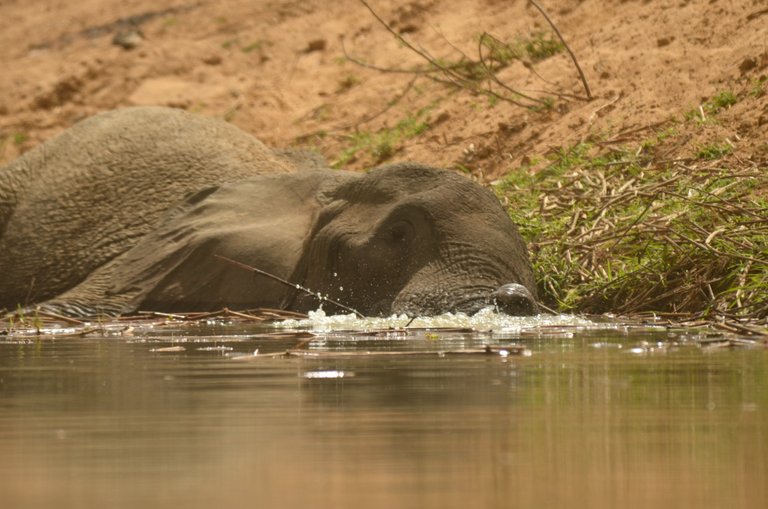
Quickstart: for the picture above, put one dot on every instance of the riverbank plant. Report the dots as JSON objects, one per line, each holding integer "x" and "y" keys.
{"x": 609, "y": 232}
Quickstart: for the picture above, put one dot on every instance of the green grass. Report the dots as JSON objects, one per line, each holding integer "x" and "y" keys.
{"x": 21, "y": 319}
{"x": 719, "y": 102}
{"x": 541, "y": 45}
{"x": 347, "y": 83}
{"x": 758, "y": 87}
{"x": 382, "y": 144}
{"x": 535, "y": 47}
{"x": 608, "y": 233}
{"x": 498, "y": 54}
{"x": 235, "y": 43}
{"x": 714, "y": 151}
{"x": 255, "y": 45}
{"x": 659, "y": 138}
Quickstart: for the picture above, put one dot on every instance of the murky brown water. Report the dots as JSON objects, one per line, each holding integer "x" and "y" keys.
{"x": 593, "y": 418}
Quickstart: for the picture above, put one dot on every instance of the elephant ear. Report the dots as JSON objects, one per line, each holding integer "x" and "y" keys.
{"x": 262, "y": 222}
{"x": 351, "y": 208}
{"x": 116, "y": 286}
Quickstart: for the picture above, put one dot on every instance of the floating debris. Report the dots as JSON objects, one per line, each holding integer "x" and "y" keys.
{"x": 497, "y": 350}
{"x": 167, "y": 349}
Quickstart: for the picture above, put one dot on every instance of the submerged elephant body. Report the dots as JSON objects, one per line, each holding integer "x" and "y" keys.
{"x": 128, "y": 210}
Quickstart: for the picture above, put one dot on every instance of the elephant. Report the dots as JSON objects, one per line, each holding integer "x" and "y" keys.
{"x": 133, "y": 209}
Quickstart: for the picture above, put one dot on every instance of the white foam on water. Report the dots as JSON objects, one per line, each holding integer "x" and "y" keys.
{"x": 484, "y": 320}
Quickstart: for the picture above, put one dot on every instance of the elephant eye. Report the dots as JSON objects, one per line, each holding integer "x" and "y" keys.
{"x": 400, "y": 233}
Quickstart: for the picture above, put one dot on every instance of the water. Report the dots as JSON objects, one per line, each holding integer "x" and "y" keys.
{"x": 582, "y": 415}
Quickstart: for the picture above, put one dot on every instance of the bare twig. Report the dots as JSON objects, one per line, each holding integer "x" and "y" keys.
{"x": 502, "y": 350}
{"x": 222, "y": 312}
{"x": 366, "y": 119}
{"x": 567, "y": 48}
{"x": 392, "y": 70}
{"x": 296, "y": 286}
{"x": 422, "y": 53}
{"x": 461, "y": 74}
{"x": 669, "y": 238}
{"x": 492, "y": 75}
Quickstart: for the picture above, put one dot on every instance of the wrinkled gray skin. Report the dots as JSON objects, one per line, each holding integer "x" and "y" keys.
{"x": 126, "y": 210}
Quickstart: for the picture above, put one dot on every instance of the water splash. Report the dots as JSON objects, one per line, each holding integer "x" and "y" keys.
{"x": 484, "y": 320}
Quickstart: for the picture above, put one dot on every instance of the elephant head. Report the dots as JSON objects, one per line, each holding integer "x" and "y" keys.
{"x": 400, "y": 239}
{"x": 411, "y": 239}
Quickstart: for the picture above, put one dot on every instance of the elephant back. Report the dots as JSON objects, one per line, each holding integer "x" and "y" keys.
{"x": 88, "y": 195}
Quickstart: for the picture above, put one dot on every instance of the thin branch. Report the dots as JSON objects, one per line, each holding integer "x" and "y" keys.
{"x": 296, "y": 286}
{"x": 573, "y": 57}
{"x": 428, "y": 73}
{"x": 460, "y": 74}
{"x": 344, "y": 127}
{"x": 492, "y": 75}
{"x": 500, "y": 350}
{"x": 423, "y": 54}
{"x": 367, "y": 65}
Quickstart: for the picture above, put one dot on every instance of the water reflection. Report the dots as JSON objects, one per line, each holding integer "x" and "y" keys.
{"x": 597, "y": 416}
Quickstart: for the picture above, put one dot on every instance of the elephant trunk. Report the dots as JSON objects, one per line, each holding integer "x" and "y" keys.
{"x": 512, "y": 298}
{"x": 515, "y": 299}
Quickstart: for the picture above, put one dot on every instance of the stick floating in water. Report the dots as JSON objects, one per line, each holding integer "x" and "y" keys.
{"x": 297, "y": 286}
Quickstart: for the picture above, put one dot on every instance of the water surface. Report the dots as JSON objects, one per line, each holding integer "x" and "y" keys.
{"x": 582, "y": 415}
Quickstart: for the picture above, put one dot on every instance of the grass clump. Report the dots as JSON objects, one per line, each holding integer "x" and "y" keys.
{"x": 720, "y": 101}
{"x": 538, "y": 46}
{"x": 714, "y": 151}
{"x": 21, "y": 319}
{"x": 347, "y": 83}
{"x": 608, "y": 234}
{"x": 382, "y": 144}
{"x": 255, "y": 45}
{"x": 758, "y": 87}
{"x": 495, "y": 55}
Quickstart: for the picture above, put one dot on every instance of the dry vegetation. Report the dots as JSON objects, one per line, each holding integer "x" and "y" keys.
{"x": 610, "y": 234}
